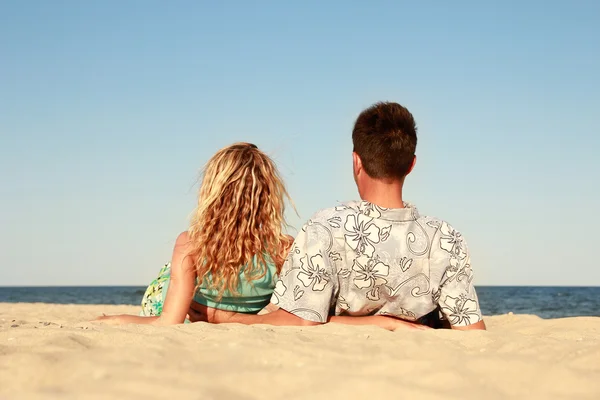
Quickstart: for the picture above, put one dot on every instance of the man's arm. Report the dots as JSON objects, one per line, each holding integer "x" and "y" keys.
{"x": 279, "y": 317}
{"x": 283, "y": 318}
{"x": 382, "y": 321}
{"x": 457, "y": 297}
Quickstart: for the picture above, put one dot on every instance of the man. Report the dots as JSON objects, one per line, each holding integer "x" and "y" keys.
{"x": 375, "y": 257}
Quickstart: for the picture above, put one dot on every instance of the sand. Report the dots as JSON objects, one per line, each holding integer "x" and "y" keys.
{"x": 51, "y": 351}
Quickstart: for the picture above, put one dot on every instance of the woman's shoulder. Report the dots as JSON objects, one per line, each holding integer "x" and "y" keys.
{"x": 183, "y": 239}
{"x": 183, "y": 249}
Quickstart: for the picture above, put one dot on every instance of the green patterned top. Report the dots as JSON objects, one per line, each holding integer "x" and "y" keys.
{"x": 252, "y": 296}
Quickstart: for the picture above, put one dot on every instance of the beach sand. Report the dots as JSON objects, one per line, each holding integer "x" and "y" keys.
{"x": 52, "y": 351}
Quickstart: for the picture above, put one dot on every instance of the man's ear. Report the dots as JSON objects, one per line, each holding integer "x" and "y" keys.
{"x": 412, "y": 166}
{"x": 356, "y": 164}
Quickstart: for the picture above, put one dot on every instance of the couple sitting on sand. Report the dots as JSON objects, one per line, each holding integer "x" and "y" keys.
{"x": 370, "y": 262}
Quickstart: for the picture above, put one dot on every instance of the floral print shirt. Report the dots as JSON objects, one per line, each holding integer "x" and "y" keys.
{"x": 360, "y": 259}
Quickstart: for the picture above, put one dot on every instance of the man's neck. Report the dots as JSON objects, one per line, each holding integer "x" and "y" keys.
{"x": 384, "y": 194}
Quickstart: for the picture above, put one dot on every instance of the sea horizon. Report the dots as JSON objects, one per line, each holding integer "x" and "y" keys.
{"x": 142, "y": 285}
{"x": 543, "y": 301}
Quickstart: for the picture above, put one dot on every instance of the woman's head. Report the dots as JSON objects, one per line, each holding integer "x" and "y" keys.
{"x": 240, "y": 215}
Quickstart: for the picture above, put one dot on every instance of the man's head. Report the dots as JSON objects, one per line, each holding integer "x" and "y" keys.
{"x": 385, "y": 140}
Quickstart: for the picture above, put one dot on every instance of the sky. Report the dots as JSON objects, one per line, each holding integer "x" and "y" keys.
{"x": 109, "y": 110}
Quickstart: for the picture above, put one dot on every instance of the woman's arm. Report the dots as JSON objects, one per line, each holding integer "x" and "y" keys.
{"x": 126, "y": 319}
{"x": 182, "y": 284}
{"x": 179, "y": 295}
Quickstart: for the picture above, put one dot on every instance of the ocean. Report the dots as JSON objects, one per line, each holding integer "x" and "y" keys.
{"x": 546, "y": 302}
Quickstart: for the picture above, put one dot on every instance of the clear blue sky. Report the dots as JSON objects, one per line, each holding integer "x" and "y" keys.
{"x": 109, "y": 109}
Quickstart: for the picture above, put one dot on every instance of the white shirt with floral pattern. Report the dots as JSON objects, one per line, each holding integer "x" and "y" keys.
{"x": 360, "y": 259}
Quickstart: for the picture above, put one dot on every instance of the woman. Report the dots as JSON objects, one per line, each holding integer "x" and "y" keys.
{"x": 235, "y": 247}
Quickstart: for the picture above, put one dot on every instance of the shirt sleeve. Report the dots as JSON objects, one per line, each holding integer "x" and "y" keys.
{"x": 305, "y": 287}
{"x": 457, "y": 297}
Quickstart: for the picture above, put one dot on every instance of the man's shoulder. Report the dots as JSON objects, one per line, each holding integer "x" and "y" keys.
{"x": 336, "y": 213}
{"x": 432, "y": 222}
{"x": 444, "y": 236}
{"x": 438, "y": 224}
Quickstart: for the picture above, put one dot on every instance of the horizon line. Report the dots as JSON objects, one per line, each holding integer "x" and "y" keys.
{"x": 131, "y": 286}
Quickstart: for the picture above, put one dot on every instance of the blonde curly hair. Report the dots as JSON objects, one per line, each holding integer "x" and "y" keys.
{"x": 240, "y": 216}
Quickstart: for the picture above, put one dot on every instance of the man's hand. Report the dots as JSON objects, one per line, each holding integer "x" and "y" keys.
{"x": 392, "y": 324}
{"x": 382, "y": 321}
{"x": 201, "y": 313}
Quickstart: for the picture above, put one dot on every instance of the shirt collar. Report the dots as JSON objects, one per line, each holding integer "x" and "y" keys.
{"x": 408, "y": 213}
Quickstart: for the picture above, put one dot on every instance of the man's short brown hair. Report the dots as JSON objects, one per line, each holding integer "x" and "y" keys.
{"x": 385, "y": 139}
